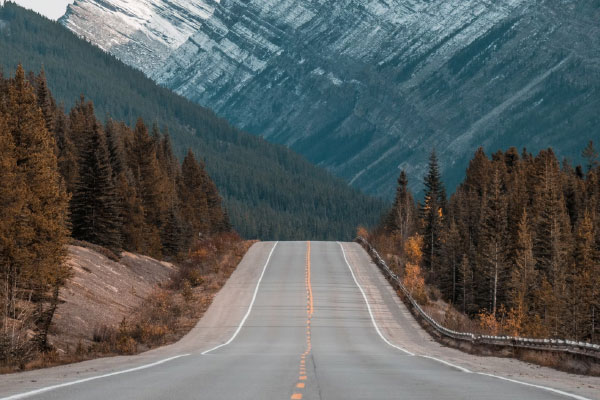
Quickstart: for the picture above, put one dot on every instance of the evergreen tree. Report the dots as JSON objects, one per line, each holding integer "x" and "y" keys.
{"x": 194, "y": 204}
{"x": 591, "y": 156}
{"x": 114, "y": 144}
{"x": 45, "y": 101}
{"x": 134, "y": 227}
{"x": 584, "y": 280}
{"x": 219, "y": 221}
{"x": 12, "y": 201}
{"x": 552, "y": 235}
{"x": 81, "y": 122}
{"x": 35, "y": 253}
{"x": 494, "y": 238}
{"x": 432, "y": 217}
{"x": 449, "y": 280}
{"x": 401, "y": 218}
{"x": 94, "y": 208}
{"x": 467, "y": 284}
{"x": 173, "y": 234}
{"x": 68, "y": 163}
{"x": 523, "y": 277}
{"x": 149, "y": 184}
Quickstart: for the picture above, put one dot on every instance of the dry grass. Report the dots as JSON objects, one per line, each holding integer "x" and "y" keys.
{"x": 166, "y": 315}
{"x": 174, "y": 308}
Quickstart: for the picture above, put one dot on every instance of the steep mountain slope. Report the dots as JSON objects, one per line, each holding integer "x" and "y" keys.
{"x": 269, "y": 191}
{"x": 363, "y": 87}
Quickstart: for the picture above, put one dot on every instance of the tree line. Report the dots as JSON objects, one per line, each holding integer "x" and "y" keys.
{"x": 517, "y": 244}
{"x": 68, "y": 175}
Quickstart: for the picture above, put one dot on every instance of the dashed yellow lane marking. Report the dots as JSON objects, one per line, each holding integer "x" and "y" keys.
{"x": 309, "y": 312}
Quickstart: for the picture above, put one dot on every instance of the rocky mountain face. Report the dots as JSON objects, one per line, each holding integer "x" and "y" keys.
{"x": 365, "y": 87}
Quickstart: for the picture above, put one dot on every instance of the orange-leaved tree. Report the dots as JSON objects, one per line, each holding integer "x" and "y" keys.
{"x": 413, "y": 278}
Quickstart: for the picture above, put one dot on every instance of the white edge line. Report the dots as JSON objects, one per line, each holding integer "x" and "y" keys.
{"x": 49, "y": 388}
{"x": 369, "y": 306}
{"x": 448, "y": 364}
{"x": 567, "y": 394}
{"x": 549, "y": 389}
{"x": 93, "y": 378}
{"x": 239, "y": 328}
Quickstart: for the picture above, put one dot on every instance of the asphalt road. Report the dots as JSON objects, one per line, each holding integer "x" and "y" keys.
{"x": 309, "y": 334}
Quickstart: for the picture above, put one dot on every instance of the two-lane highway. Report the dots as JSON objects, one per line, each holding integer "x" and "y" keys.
{"x": 307, "y": 332}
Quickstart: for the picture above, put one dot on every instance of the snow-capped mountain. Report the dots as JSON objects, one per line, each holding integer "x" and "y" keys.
{"x": 364, "y": 87}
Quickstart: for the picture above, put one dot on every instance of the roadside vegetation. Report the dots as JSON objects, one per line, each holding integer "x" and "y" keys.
{"x": 69, "y": 177}
{"x": 174, "y": 307}
{"x": 515, "y": 251}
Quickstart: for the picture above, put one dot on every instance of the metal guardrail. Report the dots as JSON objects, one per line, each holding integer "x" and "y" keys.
{"x": 562, "y": 345}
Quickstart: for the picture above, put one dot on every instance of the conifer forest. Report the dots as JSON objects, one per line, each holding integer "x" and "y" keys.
{"x": 69, "y": 175}
{"x": 517, "y": 246}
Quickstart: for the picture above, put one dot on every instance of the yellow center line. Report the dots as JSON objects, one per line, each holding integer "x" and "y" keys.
{"x": 309, "y": 312}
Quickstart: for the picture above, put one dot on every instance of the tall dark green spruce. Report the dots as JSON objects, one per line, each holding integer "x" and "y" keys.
{"x": 95, "y": 211}
{"x": 432, "y": 217}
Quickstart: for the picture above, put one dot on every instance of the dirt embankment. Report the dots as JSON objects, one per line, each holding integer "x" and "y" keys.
{"x": 102, "y": 292}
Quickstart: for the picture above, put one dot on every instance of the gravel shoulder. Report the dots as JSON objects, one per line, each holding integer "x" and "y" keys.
{"x": 215, "y": 327}
{"x": 399, "y": 326}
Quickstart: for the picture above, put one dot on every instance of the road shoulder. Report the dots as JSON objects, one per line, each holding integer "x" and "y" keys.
{"x": 398, "y": 325}
{"x": 216, "y": 326}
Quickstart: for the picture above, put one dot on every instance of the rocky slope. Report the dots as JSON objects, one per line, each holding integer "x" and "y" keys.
{"x": 364, "y": 87}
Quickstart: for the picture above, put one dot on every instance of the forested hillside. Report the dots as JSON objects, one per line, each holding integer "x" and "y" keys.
{"x": 269, "y": 192}
{"x": 517, "y": 245}
{"x": 68, "y": 175}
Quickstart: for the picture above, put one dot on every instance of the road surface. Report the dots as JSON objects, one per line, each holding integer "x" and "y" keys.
{"x": 300, "y": 320}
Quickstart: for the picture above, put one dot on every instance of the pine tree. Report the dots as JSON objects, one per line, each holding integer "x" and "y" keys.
{"x": 523, "y": 277}
{"x": 167, "y": 158}
{"x": 449, "y": 279}
{"x": 552, "y": 232}
{"x": 12, "y": 202}
{"x": 401, "y": 218}
{"x": 39, "y": 234}
{"x": 150, "y": 185}
{"x": 494, "y": 238}
{"x": 467, "y": 284}
{"x": 591, "y": 156}
{"x": 219, "y": 221}
{"x": 192, "y": 193}
{"x": 172, "y": 235}
{"x": 94, "y": 208}
{"x": 115, "y": 147}
{"x": 584, "y": 280}
{"x": 134, "y": 227}
{"x": 68, "y": 163}
{"x": 81, "y": 121}
{"x": 45, "y": 101}
{"x": 432, "y": 217}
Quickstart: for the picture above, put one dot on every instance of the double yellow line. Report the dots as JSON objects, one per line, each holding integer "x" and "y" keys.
{"x": 309, "y": 312}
